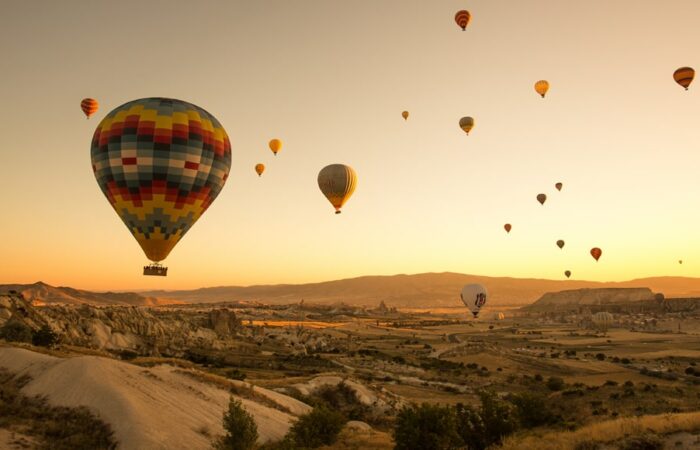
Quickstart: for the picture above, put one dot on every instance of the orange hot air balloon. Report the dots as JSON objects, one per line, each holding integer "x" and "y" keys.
{"x": 259, "y": 169}
{"x": 541, "y": 87}
{"x": 404, "y": 115}
{"x": 596, "y": 252}
{"x": 560, "y": 243}
{"x": 462, "y": 18}
{"x": 567, "y": 273}
{"x": 89, "y": 106}
{"x": 541, "y": 198}
{"x": 684, "y": 76}
{"x": 558, "y": 186}
{"x": 275, "y": 146}
{"x": 507, "y": 227}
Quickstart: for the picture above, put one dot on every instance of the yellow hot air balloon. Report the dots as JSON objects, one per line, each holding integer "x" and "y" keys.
{"x": 259, "y": 169}
{"x": 404, "y": 115}
{"x": 275, "y": 146}
{"x": 684, "y": 76}
{"x": 541, "y": 87}
{"x": 337, "y": 182}
{"x": 466, "y": 124}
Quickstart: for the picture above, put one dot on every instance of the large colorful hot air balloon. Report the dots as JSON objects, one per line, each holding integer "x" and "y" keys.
{"x": 89, "y": 106}
{"x": 474, "y": 297}
{"x": 466, "y": 124}
{"x": 560, "y": 243}
{"x": 541, "y": 198}
{"x": 275, "y": 146}
{"x": 541, "y": 87}
{"x": 602, "y": 320}
{"x": 337, "y": 182}
{"x": 259, "y": 168}
{"x": 404, "y": 115}
{"x": 161, "y": 163}
{"x": 462, "y": 18}
{"x": 507, "y": 227}
{"x": 558, "y": 186}
{"x": 596, "y": 253}
{"x": 567, "y": 273}
{"x": 684, "y": 76}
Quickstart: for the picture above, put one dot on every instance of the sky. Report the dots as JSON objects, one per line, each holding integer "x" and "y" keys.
{"x": 331, "y": 79}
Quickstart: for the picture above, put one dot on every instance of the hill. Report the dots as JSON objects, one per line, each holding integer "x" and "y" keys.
{"x": 41, "y": 293}
{"x": 420, "y": 290}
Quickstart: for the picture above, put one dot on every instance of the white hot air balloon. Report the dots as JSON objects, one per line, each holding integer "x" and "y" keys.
{"x": 602, "y": 320}
{"x": 474, "y": 297}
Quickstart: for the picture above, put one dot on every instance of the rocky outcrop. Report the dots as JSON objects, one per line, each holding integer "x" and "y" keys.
{"x": 582, "y": 298}
{"x": 223, "y": 321}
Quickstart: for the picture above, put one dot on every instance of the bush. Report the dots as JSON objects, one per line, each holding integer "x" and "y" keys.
{"x": 319, "y": 427}
{"x": 16, "y": 331}
{"x": 343, "y": 399}
{"x": 498, "y": 416}
{"x": 45, "y": 337}
{"x": 426, "y": 427}
{"x": 600, "y": 356}
{"x": 555, "y": 384}
{"x": 643, "y": 442}
{"x": 471, "y": 428}
{"x": 532, "y": 410}
{"x": 241, "y": 430}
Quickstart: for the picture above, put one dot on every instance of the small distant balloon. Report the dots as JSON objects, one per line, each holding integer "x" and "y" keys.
{"x": 474, "y": 297}
{"x": 560, "y": 243}
{"x": 337, "y": 182}
{"x": 541, "y": 87}
{"x": 462, "y": 18}
{"x": 404, "y": 115}
{"x": 596, "y": 253}
{"x": 259, "y": 169}
{"x": 466, "y": 124}
{"x": 680, "y": 261}
{"x": 684, "y": 76}
{"x": 541, "y": 198}
{"x": 89, "y": 106}
{"x": 567, "y": 273}
{"x": 507, "y": 227}
{"x": 558, "y": 186}
{"x": 275, "y": 146}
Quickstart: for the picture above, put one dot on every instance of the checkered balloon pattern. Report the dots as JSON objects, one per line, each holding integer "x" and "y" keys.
{"x": 160, "y": 162}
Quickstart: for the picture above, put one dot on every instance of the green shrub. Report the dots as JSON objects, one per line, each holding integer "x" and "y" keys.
{"x": 471, "y": 428}
{"x": 16, "y": 331}
{"x": 241, "y": 430}
{"x": 532, "y": 410}
{"x": 555, "y": 384}
{"x": 45, "y": 337}
{"x": 426, "y": 427}
{"x": 319, "y": 427}
{"x": 498, "y": 416}
{"x": 643, "y": 442}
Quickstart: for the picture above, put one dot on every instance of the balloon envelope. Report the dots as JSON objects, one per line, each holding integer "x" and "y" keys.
{"x": 337, "y": 182}
{"x": 541, "y": 87}
{"x": 275, "y": 145}
{"x": 89, "y": 106}
{"x": 507, "y": 227}
{"x": 474, "y": 297}
{"x": 541, "y": 198}
{"x": 462, "y": 18}
{"x": 567, "y": 273}
{"x": 684, "y": 76}
{"x": 560, "y": 243}
{"x": 466, "y": 124}
{"x": 259, "y": 169}
{"x": 558, "y": 186}
{"x": 602, "y": 320}
{"x": 161, "y": 163}
{"x": 596, "y": 253}
{"x": 404, "y": 115}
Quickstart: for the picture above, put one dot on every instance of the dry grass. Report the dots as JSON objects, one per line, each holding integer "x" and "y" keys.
{"x": 354, "y": 440}
{"x": 607, "y": 431}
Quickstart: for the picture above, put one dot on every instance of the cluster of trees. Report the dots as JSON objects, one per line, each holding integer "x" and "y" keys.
{"x": 18, "y": 331}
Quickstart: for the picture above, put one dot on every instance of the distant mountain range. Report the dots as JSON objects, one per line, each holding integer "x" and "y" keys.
{"x": 407, "y": 291}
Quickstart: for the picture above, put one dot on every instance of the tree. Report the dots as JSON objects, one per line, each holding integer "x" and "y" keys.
{"x": 16, "y": 331}
{"x": 555, "y": 384}
{"x": 471, "y": 428}
{"x": 532, "y": 410}
{"x": 241, "y": 430}
{"x": 426, "y": 427}
{"x": 319, "y": 427}
{"x": 498, "y": 417}
{"x": 45, "y": 337}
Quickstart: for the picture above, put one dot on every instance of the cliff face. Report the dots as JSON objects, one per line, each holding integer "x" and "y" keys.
{"x": 590, "y": 297}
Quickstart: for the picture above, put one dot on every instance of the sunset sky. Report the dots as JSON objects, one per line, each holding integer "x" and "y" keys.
{"x": 331, "y": 79}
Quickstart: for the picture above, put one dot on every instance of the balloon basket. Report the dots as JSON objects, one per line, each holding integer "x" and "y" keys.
{"x": 155, "y": 270}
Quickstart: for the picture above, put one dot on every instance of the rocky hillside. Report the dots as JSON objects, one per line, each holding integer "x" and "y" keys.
{"x": 553, "y": 301}
{"x": 41, "y": 293}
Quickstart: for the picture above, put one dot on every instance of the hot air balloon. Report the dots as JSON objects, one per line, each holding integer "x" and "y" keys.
{"x": 596, "y": 252}
{"x": 684, "y": 76}
{"x": 558, "y": 186}
{"x": 161, "y": 163}
{"x": 337, "y": 182}
{"x": 560, "y": 243}
{"x": 602, "y": 320}
{"x": 260, "y": 168}
{"x": 567, "y": 273}
{"x": 500, "y": 316}
{"x": 275, "y": 146}
{"x": 462, "y": 18}
{"x": 474, "y": 297}
{"x": 466, "y": 124}
{"x": 541, "y": 87}
{"x": 541, "y": 198}
{"x": 507, "y": 227}
{"x": 404, "y": 115}
{"x": 680, "y": 261}
{"x": 89, "y": 106}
